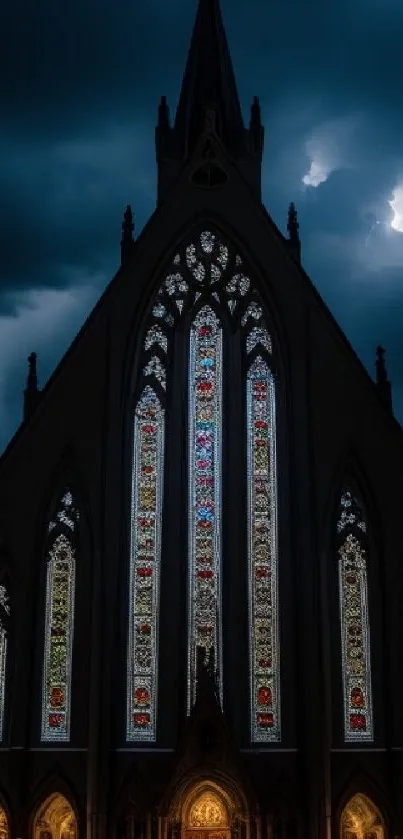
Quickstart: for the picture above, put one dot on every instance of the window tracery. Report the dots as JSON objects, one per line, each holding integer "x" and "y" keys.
{"x": 262, "y": 551}
{"x": 59, "y": 622}
{"x": 354, "y": 619}
{"x": 209, "y": 273}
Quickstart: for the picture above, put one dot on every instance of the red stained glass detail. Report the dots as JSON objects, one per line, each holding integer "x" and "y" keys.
{"x": 205, "y": 574}
{"x": 265, "y": 720}
{"x": 265, "y": 662}
{"x": 357, "y": 698}
{"x": 351, "y": 578}
{"x": 205, "y": 525}
{"x": 147, "y": 470}
{"x": 260, "y": 424}
{"x": 204, "y": 387}
{"x": 203, "y": 464}
{"x": 142, "y": 696}
{"x": 261, "y": 573}
{"x": 145, "y": 629}
{"x": 144, "y": 572}
{"x": 141, "y": 720}
{"x": 145, "y": 522}
{"x": 203, "y": 331}
{"x": 205, "y": 630}
{"x": 260, "y": 442}
{"x": 55, "y": 720}
{"x": 358, "y": 722}
{"x": 56, "y": 697}
{"x": 264, "y": 696}
{"x": 149, "y": 429}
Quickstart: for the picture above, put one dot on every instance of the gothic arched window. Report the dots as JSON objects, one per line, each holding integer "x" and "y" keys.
{"x": 146, "y": 519}
{"x": 207, "y": 293}
{"x": 262, "y": 543}
{"x": 4, "y": 628}
{"x": 59, "y": 621}
{"x": 354, "y": 619}
{"x": 205, "y": 420}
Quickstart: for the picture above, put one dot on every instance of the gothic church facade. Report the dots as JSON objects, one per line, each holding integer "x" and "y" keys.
{"x": 200, "y": 524}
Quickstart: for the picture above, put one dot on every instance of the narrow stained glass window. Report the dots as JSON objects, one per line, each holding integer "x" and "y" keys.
{"x": 4, "y": 618}
{"x": 354, "y": 620}
{"x": 145, "y": 557}
{"x": 262, "y": 551}
{"x": 205, "y": 419}
{"x": 59, "y": 630}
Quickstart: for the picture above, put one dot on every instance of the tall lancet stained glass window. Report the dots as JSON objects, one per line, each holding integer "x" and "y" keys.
{"x": 205, "y": 419}
{"x": 145, "y": 557}
{"x": 59, "y": 621}
{"x": 4, "y": 622}
{"x": 354, "y": 619}
{"x": 262, "y": 543}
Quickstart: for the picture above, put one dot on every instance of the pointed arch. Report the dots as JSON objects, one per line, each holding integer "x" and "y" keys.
{"x": 204, "y": 494}
{"x": 55, "y": 818}
{"x": 145, "y": 560}
{"x": 264, "y": 644}
{"x": 352, "y": 556}
{"x": 59, "y": 619}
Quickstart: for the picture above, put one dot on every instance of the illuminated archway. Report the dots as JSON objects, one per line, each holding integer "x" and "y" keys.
{"x": 207, "y": 813}
{"x": 361, "y": 820}
{"x": 55, "y": 819}
{"x": 4, "y": 831}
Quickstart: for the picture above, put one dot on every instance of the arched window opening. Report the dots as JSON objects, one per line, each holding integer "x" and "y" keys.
{"x": 361, "y": 820}
{"x": 59, "y": 621}
{"x": 206, "y": 290}
{"x": 4, "y": 630}
{"x": 262, "y": 536}
{"x": 145, "y": 559}
{"x": 4, "y": 831}
{"x": 354, "y": 619}
{"x": 205, "y": 421}
{"x": 55, "y": 819}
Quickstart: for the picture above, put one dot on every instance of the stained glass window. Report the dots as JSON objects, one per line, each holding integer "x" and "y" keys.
{"x": 145, "y": 557}
{"x": 262, "y": 553}
{"x": 59, "y": 623}
{"x": 354, "y": 619}
{"x": 205, "y": 417}
{"x": 4, "y": 619}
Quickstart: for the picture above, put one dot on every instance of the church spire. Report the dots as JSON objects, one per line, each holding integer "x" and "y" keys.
{"x": 31, "y": 392}
{"x": 209, "y": 104}
{"x": 127, "y": 241}
{"x": 209, "y": 83}
{"x": 383, "y": 384}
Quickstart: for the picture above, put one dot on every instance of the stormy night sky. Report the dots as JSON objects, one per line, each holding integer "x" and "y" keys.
{"x": 80, "y": 84}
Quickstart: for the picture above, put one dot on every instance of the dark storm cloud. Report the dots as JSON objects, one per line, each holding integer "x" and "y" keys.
{"x": 79, "y": 88}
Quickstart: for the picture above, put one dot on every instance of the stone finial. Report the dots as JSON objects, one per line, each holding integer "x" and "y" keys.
{"x": 163, "y": 113}
{"x": 31, "y": 392}
{"x": 127, "y": 241}
{"x": 293, "y": 232}
{"x": 382, "y": 382}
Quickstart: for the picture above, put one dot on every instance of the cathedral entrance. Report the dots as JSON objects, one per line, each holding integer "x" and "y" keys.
{"x": 207, "y": 816}
{"x": 55, "y": 819}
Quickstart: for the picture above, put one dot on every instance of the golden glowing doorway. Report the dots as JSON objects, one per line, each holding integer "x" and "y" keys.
{"x": 207, "y": 817}
{"x": 55, "y": 819}
{"x": 361, "y": 820}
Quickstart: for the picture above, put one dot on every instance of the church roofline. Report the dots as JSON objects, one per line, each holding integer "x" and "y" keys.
{"x": 113, "y": 286}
